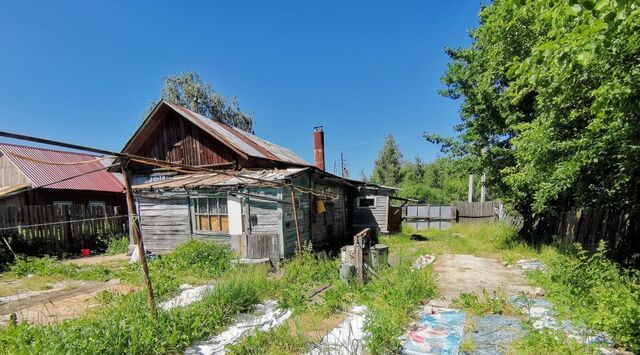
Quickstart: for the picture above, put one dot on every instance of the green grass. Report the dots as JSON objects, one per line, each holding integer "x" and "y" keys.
{"x": 480, "y": 305}
{"x": 122, "y": 323}
{"x": 117, "y": 245}
{"x": 585, "y": 287}
{"x": 483, "y": 239}
{"x": 595, "y": 292}
{"x": 548, "y": 341}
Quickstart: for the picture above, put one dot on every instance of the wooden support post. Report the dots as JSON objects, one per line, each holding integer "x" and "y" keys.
{"x": 295, "y": 217}
{"x": 137, "y": 237}
{"x": 358, "y": 248}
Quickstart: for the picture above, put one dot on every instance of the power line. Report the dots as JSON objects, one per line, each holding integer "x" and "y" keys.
{"x": 63, "y": 222}
{"x": 162, "y": 164}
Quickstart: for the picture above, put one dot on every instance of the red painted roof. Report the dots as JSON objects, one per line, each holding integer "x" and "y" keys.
{"x": 91, "y": 176}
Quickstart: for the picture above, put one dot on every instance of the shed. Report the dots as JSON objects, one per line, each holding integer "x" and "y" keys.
{"x": 251, "y": 210}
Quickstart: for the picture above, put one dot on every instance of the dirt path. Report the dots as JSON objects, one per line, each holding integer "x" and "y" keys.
{"x": 467, "y": 273}
{"x": 65, "y": 300}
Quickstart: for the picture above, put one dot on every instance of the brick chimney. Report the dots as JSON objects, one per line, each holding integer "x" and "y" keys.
{"x": 318, "y": 147}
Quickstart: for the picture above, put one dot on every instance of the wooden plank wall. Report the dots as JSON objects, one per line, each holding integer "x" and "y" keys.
{"x": 375, "y": 218}
{"x": 263, "y": 246}
{"x": 477, "y": 212}
{"x": 178, "y": 140}
{"x": 164, "y": 222}
{"x": 620, "y": 229}
{"x": 45, "y": 229}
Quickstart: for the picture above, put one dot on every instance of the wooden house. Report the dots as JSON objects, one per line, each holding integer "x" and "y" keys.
{"x": 37, "y": 176}
{"x": 248, "y": 200}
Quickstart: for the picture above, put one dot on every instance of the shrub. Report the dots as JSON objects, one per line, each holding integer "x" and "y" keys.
{"x": 198, "y": 257}
{"x": 46, "y": 266}
{"x": 117, "y": 245}
{"x": 595, "y": 291}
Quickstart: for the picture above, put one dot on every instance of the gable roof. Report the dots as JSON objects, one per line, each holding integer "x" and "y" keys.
{"x": 64, "y": 174}
{"x": 243, "y": 143}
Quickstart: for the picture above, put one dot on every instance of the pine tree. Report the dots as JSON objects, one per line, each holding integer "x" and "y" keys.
{"x": 387, "y": 168}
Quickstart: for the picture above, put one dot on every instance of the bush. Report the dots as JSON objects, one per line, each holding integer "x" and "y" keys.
{"x": 46, "y": 266}
{"x": 198, "y": 257}
{"x": 595, "y": 291}
{"x": 118, "y": 245}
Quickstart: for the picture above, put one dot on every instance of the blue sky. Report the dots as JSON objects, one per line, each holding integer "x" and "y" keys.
{"x": 84, "y": 71}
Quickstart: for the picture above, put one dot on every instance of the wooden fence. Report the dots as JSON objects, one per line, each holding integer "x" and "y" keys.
{"x": 58, "y": 230}
{"x": 260, "y": 246}
{"x": 477, "y": 212}
{"x": 619, "y": 229}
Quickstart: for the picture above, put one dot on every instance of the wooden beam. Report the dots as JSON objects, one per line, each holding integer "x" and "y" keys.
{"x": 295, "y": 217}
{"x": 137, "y": 239}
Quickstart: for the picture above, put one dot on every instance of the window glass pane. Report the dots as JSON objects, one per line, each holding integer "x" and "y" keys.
{"x": 201, "y": 205}
{"x": 222, "y": 204}
{"x": 213, "y": 206}
{"x": 367, "y": 202}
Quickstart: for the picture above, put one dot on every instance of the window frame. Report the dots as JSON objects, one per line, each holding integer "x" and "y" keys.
{"x": 369, "y": 197}
{"x": 196, "y": 227}
{"x": 102, "y": 204}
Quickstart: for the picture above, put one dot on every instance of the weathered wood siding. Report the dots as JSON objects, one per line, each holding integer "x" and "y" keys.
{"x": 372, "y": 217}
{"x": 177, "y": 140}
{"x": 290, "y": 240}
{"x": 164, "y": 222}
{"x": 10, "y": 175}
{"x": 333, "y": 222}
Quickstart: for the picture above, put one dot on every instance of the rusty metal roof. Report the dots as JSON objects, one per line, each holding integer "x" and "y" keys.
{"x": 247, "y": 143}
{"x": 90, "y": 175}
{"x": 220, "y": 179}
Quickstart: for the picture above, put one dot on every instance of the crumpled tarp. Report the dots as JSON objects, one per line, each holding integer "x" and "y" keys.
{"x": 188, "y": 295}
{"x": 492, "y": 334}
{"x": 423, "y": 261}
{"x": 265, "y": 317}
{"x": 529, "y": 265}
{"x": 542, "y": 315}
{"x": 347, "y": 337}
{"x": 438, "y": 331}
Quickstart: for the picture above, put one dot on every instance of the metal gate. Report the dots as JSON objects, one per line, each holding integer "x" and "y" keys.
{"x": 428, "y": 216}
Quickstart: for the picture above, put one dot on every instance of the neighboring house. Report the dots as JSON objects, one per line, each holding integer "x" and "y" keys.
{"x": 26, "y": 181}
{"x": 247, "y": 202}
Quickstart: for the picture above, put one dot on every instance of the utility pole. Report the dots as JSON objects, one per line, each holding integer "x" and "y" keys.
{"x": 470, "y": 197}
{"x": 483, "y": 188}
{"x": 134, "y": 225}
{"x": 341, "y": 165}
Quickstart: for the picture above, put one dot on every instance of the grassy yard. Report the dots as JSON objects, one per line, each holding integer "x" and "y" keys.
{"x": 577, "y": 283}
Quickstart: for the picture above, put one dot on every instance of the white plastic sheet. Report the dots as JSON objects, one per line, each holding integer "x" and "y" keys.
{"x": 347, "y": 338}
{"x": 266, "y": 316}
{"x": 188, "y": 295}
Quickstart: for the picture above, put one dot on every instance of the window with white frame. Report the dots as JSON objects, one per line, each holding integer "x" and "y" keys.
{"x": 211, "y": 214}
{"x": 366, "y": 201}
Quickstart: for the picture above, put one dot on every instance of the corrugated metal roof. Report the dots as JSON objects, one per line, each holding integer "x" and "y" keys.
{"x": 247, "y": 143}
{"x": 226, "y": 178}
{"x": 88, "y": 176}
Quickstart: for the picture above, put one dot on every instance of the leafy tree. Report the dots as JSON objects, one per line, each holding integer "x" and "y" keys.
{"x": 442, "y": 181}
{"x": 189, "y": 91}
{"x": 387, "y": 168}
{"x": 551, "y": 89}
